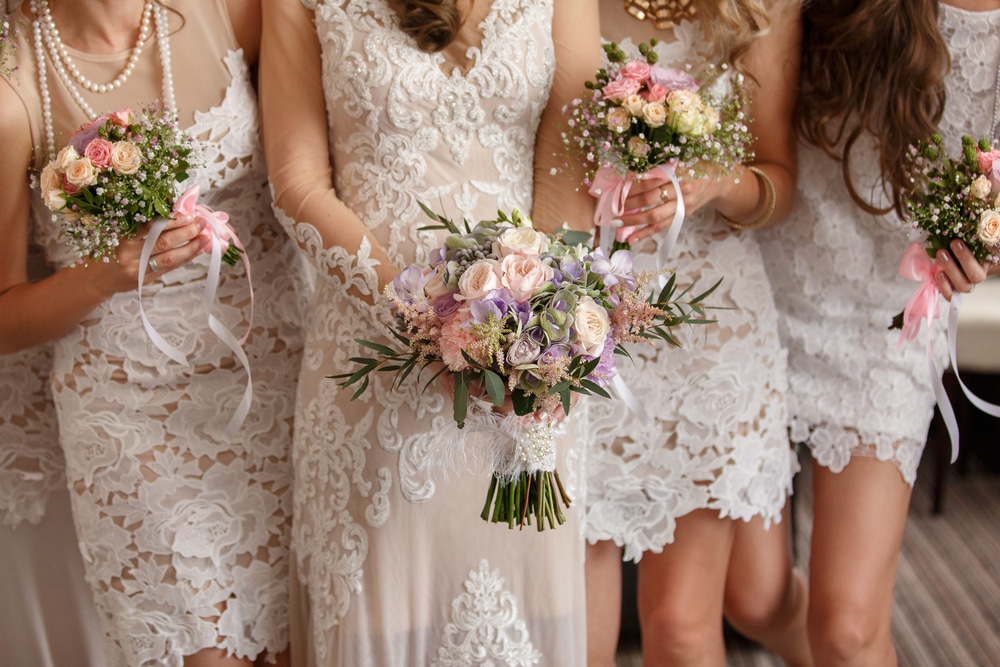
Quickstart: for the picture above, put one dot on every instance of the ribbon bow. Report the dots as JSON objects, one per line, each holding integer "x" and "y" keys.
{"x": 917, "y": 265}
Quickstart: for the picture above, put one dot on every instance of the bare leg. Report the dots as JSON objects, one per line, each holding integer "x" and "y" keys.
{"x": 604, "y": 602}
{"x": 681, "y": 592}
{"x": 859, "y": 515}
{"x": 766, "y": 598}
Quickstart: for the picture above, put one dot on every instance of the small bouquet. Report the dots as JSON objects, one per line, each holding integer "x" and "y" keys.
{"x": 948, "y": 199}
{"x": 7, "y": 45}
{"x": 520, "y": 319}
{"x": 118, "y": 173}
{"x": 641, "y": 120}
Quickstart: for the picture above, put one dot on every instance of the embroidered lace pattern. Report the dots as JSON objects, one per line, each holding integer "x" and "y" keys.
{"x": 717, "y": 435}
{"x": 185, "y": 534}
{"x": 853, "y": 392}
{"x": 408, "y": 127}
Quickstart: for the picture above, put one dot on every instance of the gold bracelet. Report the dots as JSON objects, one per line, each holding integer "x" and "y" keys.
{"x": 768, "y": 187}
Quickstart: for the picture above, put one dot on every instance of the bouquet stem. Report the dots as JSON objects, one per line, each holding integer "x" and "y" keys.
{"x": 526, "y": 497}
{"x": 232, "y": 255}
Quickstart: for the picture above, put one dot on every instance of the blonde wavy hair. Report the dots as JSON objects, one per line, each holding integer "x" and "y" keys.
{"x": 733, "y": 25}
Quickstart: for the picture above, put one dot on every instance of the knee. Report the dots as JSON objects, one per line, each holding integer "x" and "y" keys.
{"x": 847, "y": 637}
{"x": 753, "y": 610}
{"x": 669, "y": 631}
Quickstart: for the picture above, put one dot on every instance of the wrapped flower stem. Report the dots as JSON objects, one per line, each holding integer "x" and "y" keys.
{"x": 526, "y": 497}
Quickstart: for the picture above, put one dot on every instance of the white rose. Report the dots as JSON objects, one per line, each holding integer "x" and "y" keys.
{"x": 520, "y": 241}
{"x": 980, "y": 188}
{"x": 66, "y": 156}
{"x": 479, "y": 278}
{"x": 592, "y": 326}
{"x": 684, "y": 112}
{"x": 655, "y": 114}
{"x": 55, "y": 200}
{"x": 523, "y": 274}
{"x": 523, "y": 351}
{"x": 51, "y": 181}
{"x": 634, "y": 104}
{"x": 989, "y": 227}
{"x": 81, "y": 173}
{"x": 126, "y": 158}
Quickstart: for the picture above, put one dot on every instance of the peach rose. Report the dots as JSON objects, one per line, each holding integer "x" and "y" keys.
{"x": 435, "y": 287}
{"x": 50, "y": 182}
{"x": 523, "y": 274}
{"x": 655, "y": 114}
{"x": 989, "y": 227}
{"x": 638, "y": 147}
{"x": 619, "y": 119}
{"x": 478, "y": 279}
{"x": 520, "y": 241}
{"x": 592, "y": 327}
{"x": 634, "y": 104}
{"x": 81, "y": 173}
{"x": 65, "y": 158}
{"x": 126, "y": 158}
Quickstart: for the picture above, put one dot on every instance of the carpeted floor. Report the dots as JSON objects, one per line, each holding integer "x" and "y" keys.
{"x": 947, "y": 602}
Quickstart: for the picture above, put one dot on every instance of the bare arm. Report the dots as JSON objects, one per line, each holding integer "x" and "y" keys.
{"x": 296, "y": 139}
{"x": 561, "y": 197}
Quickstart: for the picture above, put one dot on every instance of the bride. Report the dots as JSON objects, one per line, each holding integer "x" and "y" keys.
{"x": 370, "y": 108}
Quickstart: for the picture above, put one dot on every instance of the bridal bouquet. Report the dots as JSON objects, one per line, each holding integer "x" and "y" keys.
{"x": 519, "y": 320}
{"x": 948, "y": 199}
{"x": 118, "y": 173}
{"x": 641, "y": 120}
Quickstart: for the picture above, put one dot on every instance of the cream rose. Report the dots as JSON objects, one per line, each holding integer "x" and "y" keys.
{"x": 126, "y": 158}
{"x": 479, "y": 278}
{"x": 55, "y": 200}
{"x": 81, "y": 173}
{"x": 435, "y": 287}
{"x": 634, "y": 104}
{"x": 619, "y": 119}
{"x": 65, "y": 158}
{"x": 520, "y": 241}
{"x": 980, "y": 187}
{"x": 655, "y": 114}
{"x": 523, "y": 274}
{"x": 989, "y": 227}
{"x": 50, "y": 181}
{"x": 638, "y": 147}
{"x": 684, "y": 112}
{"x": 592, "y": 326}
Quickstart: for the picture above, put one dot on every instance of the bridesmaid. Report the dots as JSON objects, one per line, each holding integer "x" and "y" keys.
{"x": 859, "y": 402}
{"x": 714, "y": 461}
{"x": 184, "y": 533}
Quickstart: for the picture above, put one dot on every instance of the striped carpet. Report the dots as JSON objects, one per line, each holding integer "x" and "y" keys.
{"x": 947, "y": 601}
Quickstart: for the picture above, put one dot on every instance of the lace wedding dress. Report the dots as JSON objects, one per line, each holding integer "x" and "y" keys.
{"x": 833, "y": 267}
{"x": 394, "y": 564}
{"x": 184, "y": 533}
{"x": 716, "y": 437}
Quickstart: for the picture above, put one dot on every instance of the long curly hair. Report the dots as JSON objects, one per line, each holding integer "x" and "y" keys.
{"x": 733, "y": 25}
{"x": 432, "y": 23}
{"x": 875, "y": 67}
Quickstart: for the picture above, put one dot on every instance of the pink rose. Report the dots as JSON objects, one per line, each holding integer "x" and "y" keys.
{"x": 523, "y": 274}
{"x": 99, "y": 153}
{"x": 480, "y": 277}
{"x": 69, "y": 188}
{"x": 637, "y": 69}
{"x": 986, "y": 160}
{"x": 619, "y": 89}
{"x": 657, "y": 93}
{"x": 122, "y": 118}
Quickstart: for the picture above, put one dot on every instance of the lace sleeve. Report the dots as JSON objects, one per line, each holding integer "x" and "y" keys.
{"x": 577, "y": 41}
{"x": 296, "y": 144}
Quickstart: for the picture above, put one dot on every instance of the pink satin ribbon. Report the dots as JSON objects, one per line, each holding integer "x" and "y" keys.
{"x": 216, "y": 236}
{"x": 612, "y": 189}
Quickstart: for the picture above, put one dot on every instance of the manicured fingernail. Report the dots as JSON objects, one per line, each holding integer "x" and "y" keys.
{"x": 943, "y": 256}
{"x": 958, "y": 246}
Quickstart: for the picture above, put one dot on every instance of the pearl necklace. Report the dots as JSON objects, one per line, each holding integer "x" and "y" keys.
{"x": 61, "y": 53}
{"x": 44, "y": 41}
{"x": 996, "y": 105}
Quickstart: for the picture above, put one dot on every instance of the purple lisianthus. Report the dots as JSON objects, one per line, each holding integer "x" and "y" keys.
{"x": 522, "y": 311}
{"x": 494, "y": 303}
{"x": 673, "y": 79}
{"x": 445, "y": 305}
{"x": 409, "y": 285}
{"x": 82, "y": 138}
{"x": 613, "y": 270}
{"x": 572, "y": 267}
{"x": 606, "y": 369}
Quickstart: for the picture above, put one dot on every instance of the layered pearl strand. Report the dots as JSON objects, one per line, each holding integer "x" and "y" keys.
{"x": 61, "y": 54}
{"x": 46, "y": 38}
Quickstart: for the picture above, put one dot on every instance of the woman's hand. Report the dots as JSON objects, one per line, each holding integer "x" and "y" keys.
{"x": 176, "y": 246}
{"x": 961, "y": 271}
{"x": 652, "y": 203}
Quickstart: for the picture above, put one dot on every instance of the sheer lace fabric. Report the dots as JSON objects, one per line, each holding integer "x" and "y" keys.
{"x": 185, "y": 534}
{"x": 853, "y": 392}
{"x": 717, "y": 435}
{"x": 395, "y": 566}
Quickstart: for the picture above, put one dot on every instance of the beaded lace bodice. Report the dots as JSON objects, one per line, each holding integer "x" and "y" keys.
{"x": 834, "y": 272}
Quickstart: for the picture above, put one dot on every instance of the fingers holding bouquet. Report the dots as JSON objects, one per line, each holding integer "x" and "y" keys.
{"x": 652, "y": 204}
{"x": 960, "y": 270}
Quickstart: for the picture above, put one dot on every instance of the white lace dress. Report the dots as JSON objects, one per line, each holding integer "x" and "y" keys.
{"x": 834, "y": 270}
{"x": 717, "y": 436}
{"x": 395, "y": 565}
{"x": 184, "y": 533}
